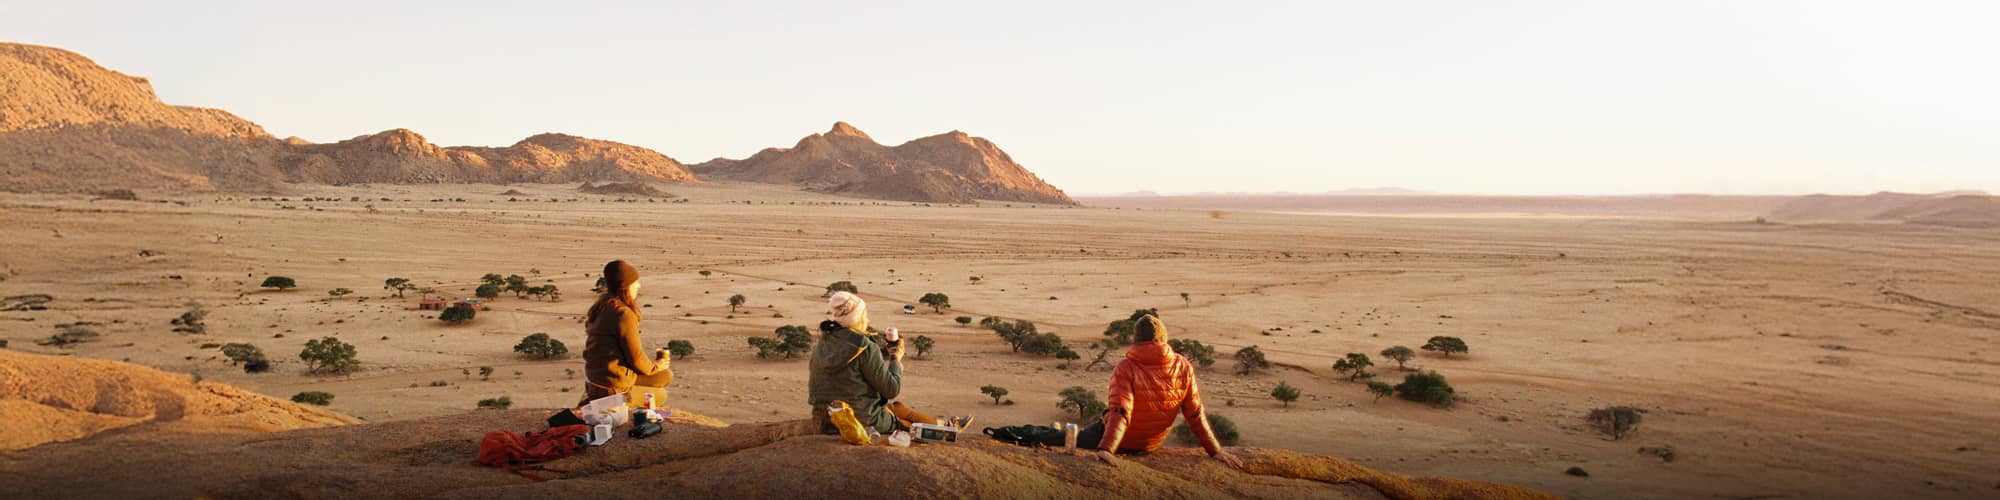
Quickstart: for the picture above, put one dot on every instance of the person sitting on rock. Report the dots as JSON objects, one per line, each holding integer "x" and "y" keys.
{"x": 853, "y": 364}
{"x": 614, "y": 359}
{"x": 1148, "y": 388}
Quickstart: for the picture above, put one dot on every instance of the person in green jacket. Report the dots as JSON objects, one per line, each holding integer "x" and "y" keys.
{"x": 854, "y": 365}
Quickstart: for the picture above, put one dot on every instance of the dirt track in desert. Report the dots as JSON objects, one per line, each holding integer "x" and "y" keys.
{"x": 1836, "y": 360}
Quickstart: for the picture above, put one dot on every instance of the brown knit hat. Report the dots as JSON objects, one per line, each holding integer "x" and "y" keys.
{"x": 1149, "y": 329}
{"x": 619, "y": 275}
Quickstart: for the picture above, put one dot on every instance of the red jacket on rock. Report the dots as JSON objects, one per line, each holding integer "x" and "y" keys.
{"x": 1149, "y": 387}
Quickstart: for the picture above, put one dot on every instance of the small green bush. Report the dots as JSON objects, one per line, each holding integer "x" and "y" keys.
{"x": 313, "y": 398}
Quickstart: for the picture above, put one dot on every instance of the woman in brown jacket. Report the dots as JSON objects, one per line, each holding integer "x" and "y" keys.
{"x": 614, "y": 359}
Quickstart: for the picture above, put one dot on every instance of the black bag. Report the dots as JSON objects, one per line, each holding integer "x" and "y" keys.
{"x": 1027, "y": 435}
{"x": 565, "y": 417}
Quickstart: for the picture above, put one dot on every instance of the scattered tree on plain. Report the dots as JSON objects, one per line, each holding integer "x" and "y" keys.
{"x": 397, "y": 285}
{"x": 517, "y": 284}
{"x": 1426, "y": 387}
{"x": 1224, "y": 429}
{"x": 842, "y": 286}
{"x": 485, "y": 372}
{"x": 923, "y": 343}
{"x": 1355, "y": 366}
{"x": 458, "y": 313}
{"x": 938, "y": 301}
{"x": 499, "y": 403}
{"x": 328, "y": 355}
{"x": 191, "y": 320}
{"x": 1067, "y": 355}
{"x": 1286, "y": 393}
{"x": 1187, "y": 300}
{"x": 487, "y": 291}
{"x": 1446, "y": 345}
{"x": 540, "y": 346}
{"x": 340, "y": 292}
{"x": 994, "y": 391}
{"x": 1082, "y": 401}
{"x": 736, "y": 301}
{"x": 279, "y": 282}
{"x": 680, "y": 349}
{"x": 1250, "y": 359}
{"x": 790, "y": 341}
{"x": 494, "y": 279}
{"x": 963, "y": 320}
{"x": 1400, "y": 354}
{"x": 1380, "y": 389}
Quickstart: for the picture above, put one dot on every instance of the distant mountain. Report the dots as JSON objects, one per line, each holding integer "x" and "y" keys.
{"x": 1377, "y": 191}
{"x": 67, "y": 124}
{"x": 946, "y": 168}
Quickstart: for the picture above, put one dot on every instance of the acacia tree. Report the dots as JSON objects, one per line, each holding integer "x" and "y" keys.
{"x": 1250, "y": 359}
{"x": 1401, "y": 355}
{"x": 681, "y": 349}
{"x": 842, "y": 286}
{"x": 1355, "y": 366}
{"x": 328, "y": 355}
{"x": 1067, "y": 355}
{"x": 938, "y": 301}
{"x": 1446, "y": 345}
{"x": 1616, "y": 421}
{"x": 398, "y": 285}
{"x": 1285, "y": 393}
{"x": 1081, "y": 400}
{"x": 493, "y": 279}
{"x": 736, "y": 301}
{"x": 923, "y": 343}
{"x": 1380, "y": 389}
{"x": 517, "y": 284}
{"x": 458, "y": 313}
{"x": 994, "y": 391}
{"x": 1201, "y": 355}
{"x": 487, "y": 291}
{"x": 540, "y": 346}
{"x": 1187, "y": 300}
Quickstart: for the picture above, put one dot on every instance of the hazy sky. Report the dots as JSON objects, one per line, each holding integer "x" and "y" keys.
{"x": 1587, "y": 96}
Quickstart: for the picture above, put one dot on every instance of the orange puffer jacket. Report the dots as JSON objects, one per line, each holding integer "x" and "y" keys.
{"x": 1148, "y": 389}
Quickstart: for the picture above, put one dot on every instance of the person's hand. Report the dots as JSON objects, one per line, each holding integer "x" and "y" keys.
{"x": 1229, "y": 460}
{"x": 1107, "y": 457}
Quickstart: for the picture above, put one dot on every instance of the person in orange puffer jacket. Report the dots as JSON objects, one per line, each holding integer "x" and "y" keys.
{"x": 1149, "y": 387}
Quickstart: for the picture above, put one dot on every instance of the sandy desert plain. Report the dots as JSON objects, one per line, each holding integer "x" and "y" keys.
{"x": 1777, "y": 360}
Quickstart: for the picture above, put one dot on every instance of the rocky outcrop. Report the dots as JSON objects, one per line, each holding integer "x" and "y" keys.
{"x": 50, "y": 399}
{"x": 946, "y": 168}
{"x": 69, "y": 125}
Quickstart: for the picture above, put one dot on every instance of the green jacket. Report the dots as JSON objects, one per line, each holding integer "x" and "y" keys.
{"x": 847, "y": 366}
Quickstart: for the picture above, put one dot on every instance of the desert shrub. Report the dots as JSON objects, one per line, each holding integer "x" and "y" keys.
{"x": 923, "y": 344}
{"x": 259, "y": 365}
{"x": 1044, "y": 344}
{"x": 1400, "y": 354}
{"x": 190, "y": 321}
{"x": 938, "y": 301}
{"x": 487, "y": 291}
{"x": 313, "y": 398}
{"x": 540, "y": 346}
{"x": 1380, "y": 389}
{"x": 340, "y": 292}
{"x": 458, "y": 313}
{"x": 1426, "y": 387}
{"x": 736, "y": 301}
{"x": 705, "y": 273}
{"x": 1121, "y": 330}
{"x": 241, "y": 353}
{"x": 1286, "y": 393}
{"x": 790, "y": 341}
{"x": 1355, "y": 365}
{"x": 963, "y": 320}
{"x": 279, "y": 282}
{"x": 1616, "y": 421}
{"x": 1082, "y": 401}
{"x": 548, "y": 291}
{"x": 3, "y": 343}
{"x": 842, "y": 286}
{"x": 994, "y": 391}
{"x": 680, "y": 349}
{"x": 499, "y": 403}
{"x": 494, "y": 279}
{"x": 1224, "y": 429}
{"x": 1250, "y": 359}
{"x": 1446, "y": 345}
{"x": 485, "y": 372}
{"x": 1202, "y": 356}
{"x": 1067, "y": 355}
{"x": 328, "y": 355}
{"x": 989, "y": 321}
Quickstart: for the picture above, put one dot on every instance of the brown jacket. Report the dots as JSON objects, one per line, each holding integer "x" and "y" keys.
{"x": 613, "y": 356}
{"x": 1148, "y": 389}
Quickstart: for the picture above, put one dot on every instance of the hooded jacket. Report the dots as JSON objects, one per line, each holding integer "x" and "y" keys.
{"x": 613, "y": 356}
{"x": 1149, "y": 387}
{"x": 847, "y": 366}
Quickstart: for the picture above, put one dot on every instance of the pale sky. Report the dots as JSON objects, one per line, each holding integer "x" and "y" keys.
{"x": 1576, "y": 97}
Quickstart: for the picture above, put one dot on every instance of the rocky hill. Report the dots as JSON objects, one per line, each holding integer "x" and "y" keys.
{"x": 946, "y": 168}
{"x": 67, "y": 124}
{"x": 197, "y": 447}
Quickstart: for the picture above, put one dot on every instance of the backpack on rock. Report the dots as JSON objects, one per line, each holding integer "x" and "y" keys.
{"x": 505, "y": 449}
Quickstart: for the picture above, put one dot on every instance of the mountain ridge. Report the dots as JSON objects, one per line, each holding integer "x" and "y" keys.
{"x": 952, "y": 167}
